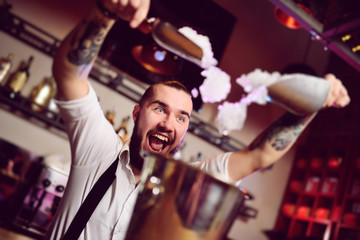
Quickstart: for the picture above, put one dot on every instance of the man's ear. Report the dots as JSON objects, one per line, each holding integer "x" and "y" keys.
{"x": 135, "y": 112}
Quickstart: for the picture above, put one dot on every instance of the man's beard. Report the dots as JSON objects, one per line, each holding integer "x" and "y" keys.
{"x": 135, "y": 143}
{"x": 135, "y": 146}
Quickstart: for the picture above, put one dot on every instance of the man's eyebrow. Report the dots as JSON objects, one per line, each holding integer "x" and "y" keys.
{"x": 165, "y": 105}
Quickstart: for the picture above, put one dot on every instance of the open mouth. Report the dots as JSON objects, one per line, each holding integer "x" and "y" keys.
{"x": 158, "y": 142}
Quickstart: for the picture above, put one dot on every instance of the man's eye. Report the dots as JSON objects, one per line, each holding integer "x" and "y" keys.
{"x": 160, "y": 110}
{"x": 181, "y": 119}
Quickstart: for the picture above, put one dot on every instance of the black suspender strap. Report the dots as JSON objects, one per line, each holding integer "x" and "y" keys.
{"x": 92, "y": 200}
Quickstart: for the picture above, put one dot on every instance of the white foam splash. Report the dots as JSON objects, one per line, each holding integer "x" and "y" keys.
{"x": 216, "y": 85}
{"x": 257, "y": 78}
{"x": 231, "y": 116}
{"x": 203, "y": 42}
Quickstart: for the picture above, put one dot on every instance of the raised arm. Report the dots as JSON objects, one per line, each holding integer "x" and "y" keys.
{"x": 278, "y": 138}
{"x": 77, "y": 52}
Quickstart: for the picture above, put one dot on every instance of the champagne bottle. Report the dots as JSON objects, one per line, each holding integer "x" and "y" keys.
{"x": 20, "y": 77}
{"x": 42, "y": 94}
{"x": 5, "y": 66}
{"x": 122, "y": 130}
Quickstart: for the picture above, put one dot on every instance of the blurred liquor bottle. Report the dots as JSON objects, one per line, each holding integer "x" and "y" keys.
{"x": 110, "y": 115}
{"x": 42, "y": 94}
{"x": 5, "y": 66}
{"x": 122, "y": 129}
{"x": 19, "y": 78}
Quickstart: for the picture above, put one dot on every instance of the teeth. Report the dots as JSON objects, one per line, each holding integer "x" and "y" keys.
{"x": 162, "y": 138}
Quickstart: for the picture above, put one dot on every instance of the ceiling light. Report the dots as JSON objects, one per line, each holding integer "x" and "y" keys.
{"x": 156, "y": 60}
{"x": 288, "y": 20}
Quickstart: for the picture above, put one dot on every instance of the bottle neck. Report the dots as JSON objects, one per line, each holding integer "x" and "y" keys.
{"x": 27, "y": 65}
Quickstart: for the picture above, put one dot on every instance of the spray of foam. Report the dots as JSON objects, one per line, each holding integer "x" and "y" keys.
{"x": 203, "y": 42}
{"x": 217, "y": 85}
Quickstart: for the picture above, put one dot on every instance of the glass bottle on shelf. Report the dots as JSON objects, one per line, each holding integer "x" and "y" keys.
{"x": 110, "y": 115}
{"x": 122, "y": 129}
{"x": 5, "y": 66}
{"x": 42, "y": 94}
{"x": 19, "y": 78}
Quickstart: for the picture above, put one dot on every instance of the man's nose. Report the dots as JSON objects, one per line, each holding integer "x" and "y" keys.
{"x": 168, "y": 123}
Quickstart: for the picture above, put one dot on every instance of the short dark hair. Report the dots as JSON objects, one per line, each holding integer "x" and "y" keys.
{"x": 170, "y": 83}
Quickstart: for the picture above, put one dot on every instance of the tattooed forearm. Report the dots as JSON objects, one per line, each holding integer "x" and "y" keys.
{"x": 282, "y": 133}
{"x": 86, "y": 42}
{"x": 282, "y": 138}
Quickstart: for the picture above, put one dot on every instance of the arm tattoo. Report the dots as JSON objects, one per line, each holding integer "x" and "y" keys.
{"x": 282, "y": 132}
{"x": 86, "y": 42}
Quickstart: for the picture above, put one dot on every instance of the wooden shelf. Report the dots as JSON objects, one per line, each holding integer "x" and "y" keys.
{"x": 298, "y": 215}
{"x": 23, "y": 104}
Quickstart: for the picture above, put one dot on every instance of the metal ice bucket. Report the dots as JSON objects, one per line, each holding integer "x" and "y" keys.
{"x": 179, "y": 201}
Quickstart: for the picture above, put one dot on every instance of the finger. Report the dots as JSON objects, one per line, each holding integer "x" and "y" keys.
{"x": 330, "y": 76}
{"x": 132, "y": 8}
{"x": 341, "y": 102}
{"x": 344, "y": 101}
{"x": 124, "y": 3}
{"x": 140, "y": 13}
{"x": 341, "y": 95}
{"x": 135, "y": 3}
{"x": 335, "y": 86}
{"x": 338, "y": 95}
{"x": 343, "y": 98}
{"x": 331, "y": 97}
{"x": 335, "y": 93}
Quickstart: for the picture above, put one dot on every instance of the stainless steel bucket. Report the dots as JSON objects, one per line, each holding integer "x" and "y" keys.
{"x": 178, "y": 201}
